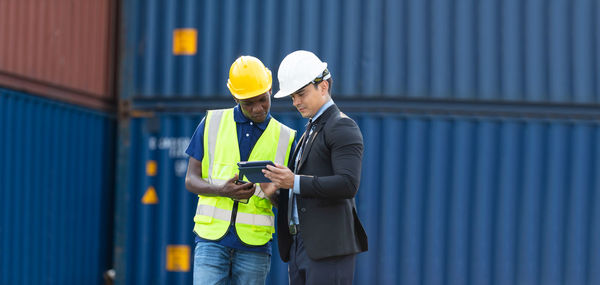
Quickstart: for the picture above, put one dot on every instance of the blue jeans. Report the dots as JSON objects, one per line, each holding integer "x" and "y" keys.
{"x": 217, "y": 264}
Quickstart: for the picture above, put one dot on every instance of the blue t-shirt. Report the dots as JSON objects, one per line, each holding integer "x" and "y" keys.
{"x": 248, "y": 132}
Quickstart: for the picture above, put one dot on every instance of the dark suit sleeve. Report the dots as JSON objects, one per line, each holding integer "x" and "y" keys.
{"x": 344, "y": 140}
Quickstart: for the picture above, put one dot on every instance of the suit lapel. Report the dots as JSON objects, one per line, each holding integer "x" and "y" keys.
{"x": 320, "y": 123}
{"x": 308, "y": 145}
{"x": 292, "y": 163}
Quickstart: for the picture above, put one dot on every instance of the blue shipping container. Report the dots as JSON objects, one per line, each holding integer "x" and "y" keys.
{"x": 532, "y": 51}
{"x": 444, "y": 199}
{"x": 56, "y": 191}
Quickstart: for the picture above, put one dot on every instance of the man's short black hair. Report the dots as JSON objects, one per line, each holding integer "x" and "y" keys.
{"x": 329, "y": 80}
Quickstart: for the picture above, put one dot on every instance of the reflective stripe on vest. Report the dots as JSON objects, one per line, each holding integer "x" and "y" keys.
{"x": 254, "y": 221}
{"x": 244, "y": 218}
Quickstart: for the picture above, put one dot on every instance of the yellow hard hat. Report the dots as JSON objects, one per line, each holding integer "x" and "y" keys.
{"x": 248, "y": 77}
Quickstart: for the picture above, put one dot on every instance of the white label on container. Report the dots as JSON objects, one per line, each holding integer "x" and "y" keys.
{"x": 175, "y": 145}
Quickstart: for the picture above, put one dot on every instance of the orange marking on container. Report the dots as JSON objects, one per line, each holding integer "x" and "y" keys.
{"x": 185, "y": 41}
{"x": 151, "y": 168}
{"x": 150, "y": 197}
{"x": 178, "y": 258}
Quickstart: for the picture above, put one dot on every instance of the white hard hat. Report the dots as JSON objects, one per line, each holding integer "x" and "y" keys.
{"x": 297, "y": 70}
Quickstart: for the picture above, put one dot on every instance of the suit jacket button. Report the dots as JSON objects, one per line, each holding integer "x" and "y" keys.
{"x": 303, "y": 210}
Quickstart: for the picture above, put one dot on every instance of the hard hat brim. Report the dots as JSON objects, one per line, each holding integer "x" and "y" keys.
{"x": 282, "y": 94}
{"x": 242, "y": 96}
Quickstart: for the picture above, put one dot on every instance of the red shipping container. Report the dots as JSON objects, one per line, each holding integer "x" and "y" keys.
{"x": 62, "y": 49}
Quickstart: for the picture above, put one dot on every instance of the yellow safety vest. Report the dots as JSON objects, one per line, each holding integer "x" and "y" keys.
{"x": 255, "y": 221}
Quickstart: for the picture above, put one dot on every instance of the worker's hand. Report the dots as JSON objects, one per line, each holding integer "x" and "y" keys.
{"x": 281, "y": 176}
{"x": 237, "y": 192}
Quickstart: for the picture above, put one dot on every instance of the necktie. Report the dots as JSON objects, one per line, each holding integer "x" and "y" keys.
{"x": 304, "y": 142}
{"x": 292, "y": 197}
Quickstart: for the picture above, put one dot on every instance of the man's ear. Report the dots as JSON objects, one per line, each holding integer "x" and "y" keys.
{"x": 237, "y": 101}
{"x": 324, "y": 85}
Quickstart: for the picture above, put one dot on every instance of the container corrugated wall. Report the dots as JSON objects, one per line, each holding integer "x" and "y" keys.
{"x": 60, "y": 49}
{"x": 154, "y": 211}
{"x": 444, "y": 199}
{"x": 56, "y": 199}
{"x": 480, "y": 121}
{"x": 534, "y": 51}
{"x": 476, "y": 200}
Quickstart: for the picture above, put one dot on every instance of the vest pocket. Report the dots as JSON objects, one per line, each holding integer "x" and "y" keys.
{"x": 202, "y": 219}
{"x": 263, "y": 203}
{"x": 263, "y": 229}
{"x": 224, "y": 170}
{"x": 205, "y": 210}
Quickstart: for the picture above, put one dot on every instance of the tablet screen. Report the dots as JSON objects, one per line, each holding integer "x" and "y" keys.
{"x": 252, "y": 171}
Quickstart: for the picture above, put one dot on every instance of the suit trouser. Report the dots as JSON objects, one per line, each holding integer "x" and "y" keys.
{"x": 331, "y": 270}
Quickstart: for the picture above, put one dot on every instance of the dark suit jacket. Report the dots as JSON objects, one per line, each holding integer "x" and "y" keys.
{"x": 330, "y": 174}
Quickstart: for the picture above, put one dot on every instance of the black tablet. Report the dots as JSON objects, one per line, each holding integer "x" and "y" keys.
{"x": 252, "y": 170}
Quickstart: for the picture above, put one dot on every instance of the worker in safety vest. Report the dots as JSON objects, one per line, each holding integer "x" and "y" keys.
{"x": 234, "y": 223}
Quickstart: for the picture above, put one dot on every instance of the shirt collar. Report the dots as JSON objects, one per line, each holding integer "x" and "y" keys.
{"x": 239, "y": 117}
{"x": 322, "y": 109}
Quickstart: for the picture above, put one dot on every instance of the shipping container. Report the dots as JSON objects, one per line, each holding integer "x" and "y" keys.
{"x": 154, "y": 211}
{"x": 56, "y": 191}
{"x": 445, "y": 199}
{"x": 61, "y": 49}
{"x": 492, "y": 51}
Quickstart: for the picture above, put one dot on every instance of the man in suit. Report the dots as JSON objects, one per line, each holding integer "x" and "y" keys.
{"x": 318, "y": 228}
